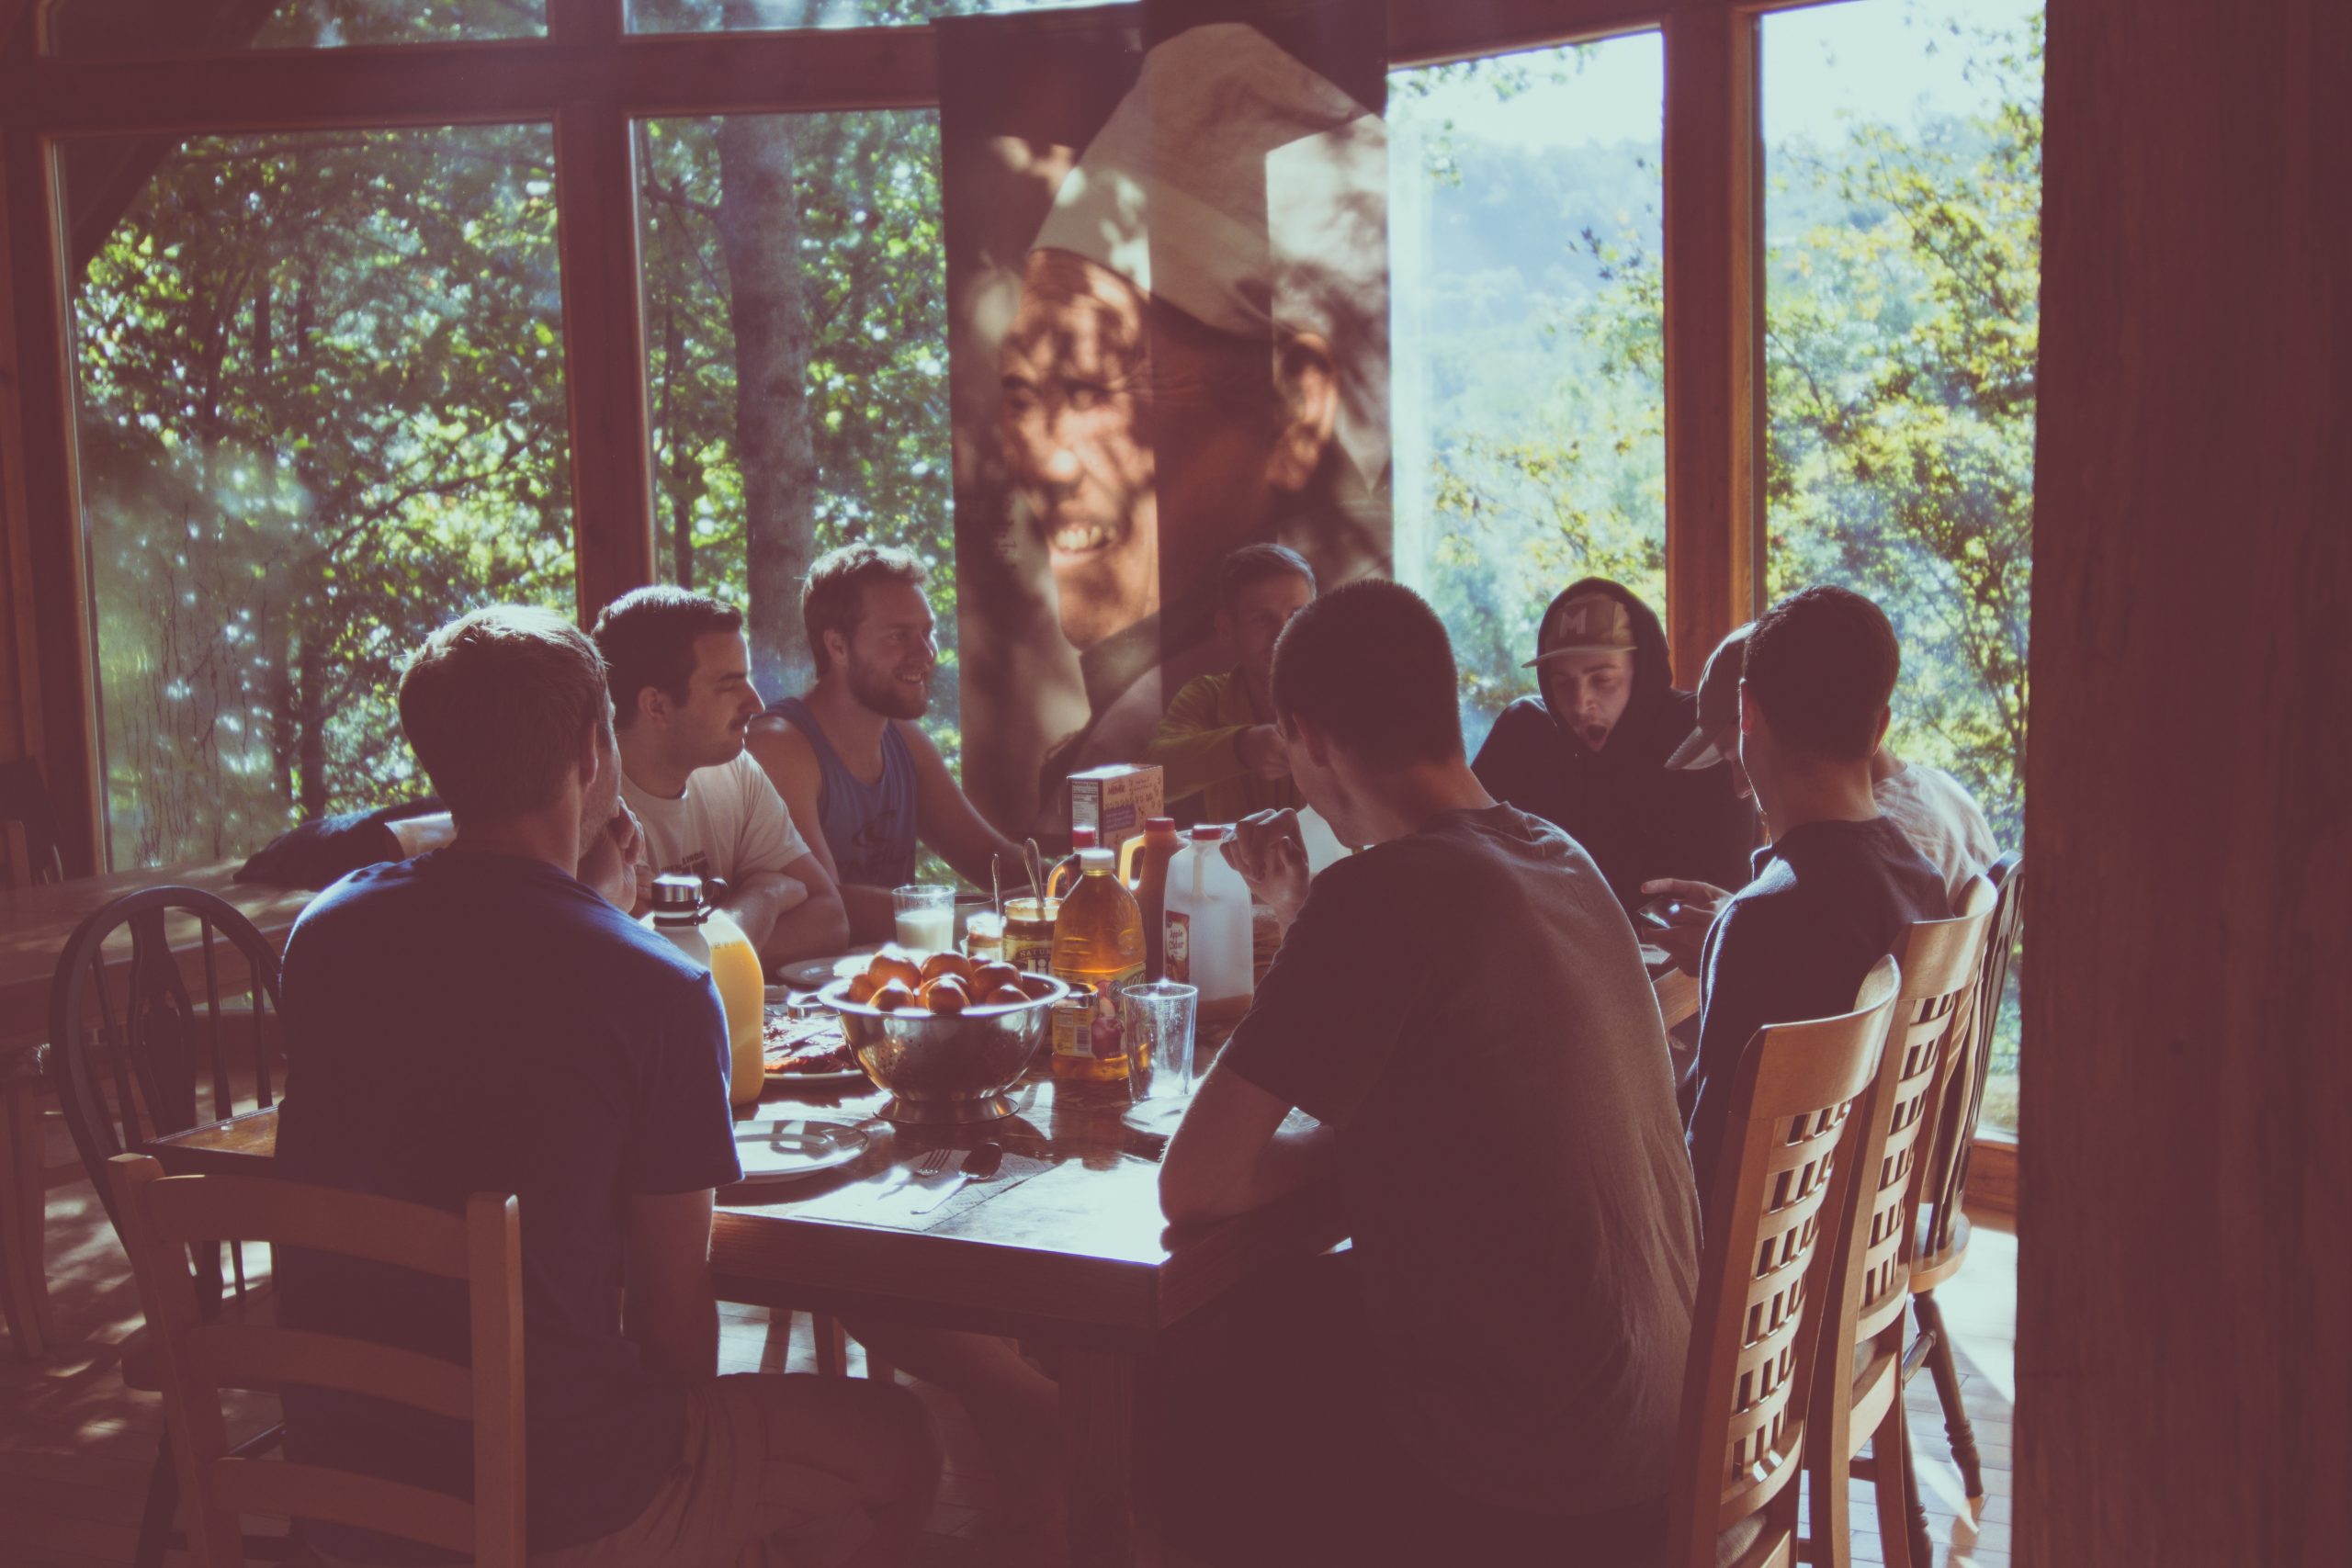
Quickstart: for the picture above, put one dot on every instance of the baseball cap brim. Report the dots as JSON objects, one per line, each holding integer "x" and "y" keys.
{"x": 1581, "y": 649}
{"x": 1699, "y": 749}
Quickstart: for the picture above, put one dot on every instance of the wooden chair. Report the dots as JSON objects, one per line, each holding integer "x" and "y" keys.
{"x": 1860, "y": 1369}
{"x": 160, "y": 1216}
{"x": 1940, "y": 1245}
{"x": 1750, "y": 1380}
{"x": 130, "y": 1047}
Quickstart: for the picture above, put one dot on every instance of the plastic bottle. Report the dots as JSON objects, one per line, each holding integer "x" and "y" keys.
{"x": 1143, "y": 866}
{"x": 1098, "y": 946}
{"x": 1206, "y": 937}
{"x": 709, "y": 936}
{"x": 1064, "y": 876}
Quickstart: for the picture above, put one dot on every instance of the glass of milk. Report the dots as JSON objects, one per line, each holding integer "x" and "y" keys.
{"x": 926, "y": 915}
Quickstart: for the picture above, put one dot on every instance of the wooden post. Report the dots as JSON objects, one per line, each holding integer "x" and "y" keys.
{"x": 66, "y": 741}
{"x": 1714, "y": 330}
{"x": 2185, "y": 1242}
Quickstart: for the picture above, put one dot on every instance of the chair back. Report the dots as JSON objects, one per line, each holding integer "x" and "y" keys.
{"x": 27, "y": 828}
{"x": 160, "y": 1216}
{"x": 1868, "y": 1279}
{"x": 1749, "y": 1376}
{"x": 1962, "y": 1096}
{"x": 130, "y": 1043}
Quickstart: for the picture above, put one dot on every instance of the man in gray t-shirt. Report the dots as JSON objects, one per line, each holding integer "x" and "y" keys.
{"x": 1464, "y": 1007}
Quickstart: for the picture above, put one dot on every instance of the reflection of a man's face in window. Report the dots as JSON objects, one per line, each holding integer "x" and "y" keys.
{"x": 1119, "y": 414}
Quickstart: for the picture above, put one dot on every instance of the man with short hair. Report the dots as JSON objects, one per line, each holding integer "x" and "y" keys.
{"x": 480, "y": 1019}
{"x": 1839, "y": 884}
{"x": 1933, "y": 809}
{"x": 1468, "y": 969}
{"x": 1219, "y": 750}
{"x": 1586, "y": 751}
{"x": 683, "y": 699}
{"x": 856, "y": 771}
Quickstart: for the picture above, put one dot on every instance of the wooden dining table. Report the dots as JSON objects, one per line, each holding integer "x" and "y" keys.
{"x": 1062, "y": 1246}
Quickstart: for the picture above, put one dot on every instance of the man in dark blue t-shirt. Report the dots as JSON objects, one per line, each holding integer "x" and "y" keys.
{"x": 483, "y": 1020}
{"x": 1838, "y": 885}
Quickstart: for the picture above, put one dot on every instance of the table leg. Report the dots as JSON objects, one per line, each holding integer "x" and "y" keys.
{"x": 1115, "y": 1513}
{"x": 22, "y": 1202}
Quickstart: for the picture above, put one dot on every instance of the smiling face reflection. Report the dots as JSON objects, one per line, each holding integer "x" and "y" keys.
{"x": 1076, "y": 414}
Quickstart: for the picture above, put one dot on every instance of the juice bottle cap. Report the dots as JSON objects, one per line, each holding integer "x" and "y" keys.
{"x": 1097, "y": 860}
{"x": 1082, "y": 836}
{"x": 1207, "y": 832}
{"x": 1160, "y": 824}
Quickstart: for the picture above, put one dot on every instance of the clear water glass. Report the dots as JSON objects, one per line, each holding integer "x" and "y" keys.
{"x": 1160, "y": 1018}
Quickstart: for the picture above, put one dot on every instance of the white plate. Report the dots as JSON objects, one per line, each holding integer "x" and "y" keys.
{"x": 792, "y": 1147}
{"x": 810, "y": 974}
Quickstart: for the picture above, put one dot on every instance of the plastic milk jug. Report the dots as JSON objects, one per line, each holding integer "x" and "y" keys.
{"x": 1204, "y": 938}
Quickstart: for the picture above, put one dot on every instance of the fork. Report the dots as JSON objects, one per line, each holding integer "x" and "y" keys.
{"x": 939, "y": 1162}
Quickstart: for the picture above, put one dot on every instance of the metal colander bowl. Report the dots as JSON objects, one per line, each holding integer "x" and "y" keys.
{"x": 945, "y": 1068}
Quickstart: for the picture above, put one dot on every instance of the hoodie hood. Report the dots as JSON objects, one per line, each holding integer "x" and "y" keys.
{"x": 1652, "y": 667}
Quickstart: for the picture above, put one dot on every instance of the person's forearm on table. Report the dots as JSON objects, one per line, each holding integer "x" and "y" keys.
{"x": 1288, "y": 1161}
{"x": 816, "y": 927}
{"x": 1192, "y": 760}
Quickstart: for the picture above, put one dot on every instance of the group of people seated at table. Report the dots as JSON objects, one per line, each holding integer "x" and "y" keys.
{"x": 1461, "y": 1008}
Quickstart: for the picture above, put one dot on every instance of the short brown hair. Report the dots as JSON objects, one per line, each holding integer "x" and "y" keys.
{"x": 1253, "y": 564}
{"x": 1822, "y": 664}
{"x": 647, "y": 635}
{"x": 1370, "y": 664}
{"x": 495, "y": 705}
{"x": 834, "y": 598}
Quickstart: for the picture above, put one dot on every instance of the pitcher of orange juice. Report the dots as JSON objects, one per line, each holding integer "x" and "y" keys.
{"x": 709, "y": 936}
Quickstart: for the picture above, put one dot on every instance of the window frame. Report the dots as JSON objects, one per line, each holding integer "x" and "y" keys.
{"x": 591, "y": 77}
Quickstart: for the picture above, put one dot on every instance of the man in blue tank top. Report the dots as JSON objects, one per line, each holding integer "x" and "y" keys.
{"x": 862, "y": 779}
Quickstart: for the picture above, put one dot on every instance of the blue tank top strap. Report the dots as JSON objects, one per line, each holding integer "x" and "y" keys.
{"x": 870, "y": 828}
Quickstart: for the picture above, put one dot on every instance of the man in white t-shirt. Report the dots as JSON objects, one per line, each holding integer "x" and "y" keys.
{"x": 681, "y": 699}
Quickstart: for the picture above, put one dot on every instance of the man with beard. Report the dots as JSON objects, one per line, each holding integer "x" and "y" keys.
{"x": 855, "y": 770}
{"x": 1198, "y": 360}
{"x": 1588, "y": 751}
{"x": 682, "y": 701}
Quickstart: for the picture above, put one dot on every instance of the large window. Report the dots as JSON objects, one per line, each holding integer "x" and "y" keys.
{"x": 797, "y": 346}
{"x": 100, "y": 27}
{"x": 1529, "y": 393}
{"x": 1903, "y": 233}
{"x": 321, "y": 409}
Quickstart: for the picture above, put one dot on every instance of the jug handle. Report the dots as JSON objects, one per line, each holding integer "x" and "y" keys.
{"x": 1127, "y": 852}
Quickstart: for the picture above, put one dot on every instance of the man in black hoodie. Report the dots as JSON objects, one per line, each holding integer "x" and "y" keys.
{"x": 1588, "y": 751}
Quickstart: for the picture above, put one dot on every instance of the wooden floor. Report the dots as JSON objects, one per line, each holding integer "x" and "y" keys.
{"x": 75, "y": 1446}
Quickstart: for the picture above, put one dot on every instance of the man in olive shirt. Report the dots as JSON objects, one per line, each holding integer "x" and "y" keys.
{"x": 1221, "y": 755}
{"x": 1498, "y": 1364}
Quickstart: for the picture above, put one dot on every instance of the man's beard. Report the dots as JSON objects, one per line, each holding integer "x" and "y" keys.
{"x": 882, "y": 692}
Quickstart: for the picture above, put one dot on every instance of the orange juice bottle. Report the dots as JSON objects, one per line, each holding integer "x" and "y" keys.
{"x": 1098, "y": 947}
{"x": 742, "y": 988}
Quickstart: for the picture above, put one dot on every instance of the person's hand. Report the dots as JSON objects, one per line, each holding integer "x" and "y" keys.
{"x": 1263, "y": 751}
{"x": 1267, "y": 851}
{"x": 1686, "y": 936}
{"x": 614, "y": 861}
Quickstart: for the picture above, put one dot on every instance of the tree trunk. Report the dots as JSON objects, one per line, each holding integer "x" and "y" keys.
{"x": 310, "y": 688}
{"x": 682, "y": 510}
{"x": 759, "y": 232}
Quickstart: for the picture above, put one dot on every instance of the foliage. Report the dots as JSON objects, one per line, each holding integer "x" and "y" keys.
{"x": 321, "y": 409}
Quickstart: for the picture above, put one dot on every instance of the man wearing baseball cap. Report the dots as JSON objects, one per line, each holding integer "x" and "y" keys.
{"x": 1588, "y": 751}
{"x": 1934, "y": 809}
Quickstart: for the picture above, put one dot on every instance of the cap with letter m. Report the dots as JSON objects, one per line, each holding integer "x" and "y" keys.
{"x": 1589, "y": 622}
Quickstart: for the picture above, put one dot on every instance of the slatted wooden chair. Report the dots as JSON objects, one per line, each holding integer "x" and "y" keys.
{"x": 1940, "y": 1240}
{"x": 1798, "y": 1098}
{"x": 1860, "y": 1369}
{"x": 131, "y": 1047}
{"x": 160, "y": 1216}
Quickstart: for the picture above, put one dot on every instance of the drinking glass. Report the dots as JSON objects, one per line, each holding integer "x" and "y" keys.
{"x": 1159, "y": 1019}
{"x": 926, "y": 917}
{"x": 984, "y": 936}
